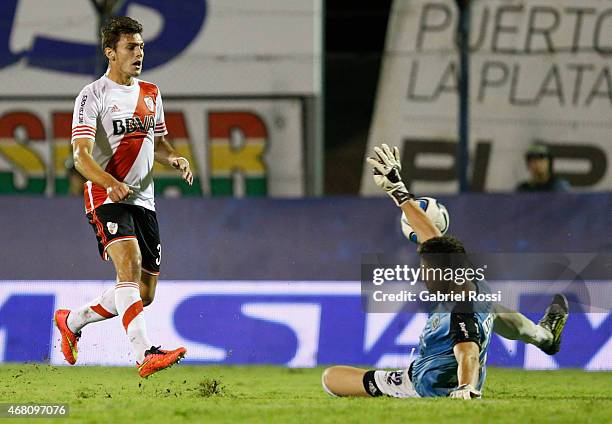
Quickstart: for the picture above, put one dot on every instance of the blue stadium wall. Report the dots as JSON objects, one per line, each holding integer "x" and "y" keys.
{"x": 277, "y": 281}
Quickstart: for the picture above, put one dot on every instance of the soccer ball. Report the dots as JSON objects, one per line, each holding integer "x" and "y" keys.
{"x": 434, "y": 210}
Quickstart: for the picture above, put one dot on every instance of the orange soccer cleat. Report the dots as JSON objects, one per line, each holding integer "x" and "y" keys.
{"x": 157, "y": 359}
{"x": 69, "y": 339}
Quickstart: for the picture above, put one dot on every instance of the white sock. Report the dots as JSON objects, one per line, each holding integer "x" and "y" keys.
{"x": 98, "y": 309}
{"x": 129, "y": 307}
{"x": 516, "y": 326}
{"x": 534, "y": 334}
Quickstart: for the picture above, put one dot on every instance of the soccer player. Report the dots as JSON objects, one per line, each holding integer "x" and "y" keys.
{"x": 118, "y": 132}
{"x": 453, "y": 345}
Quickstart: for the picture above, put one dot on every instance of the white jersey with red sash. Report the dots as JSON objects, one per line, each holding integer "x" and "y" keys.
{"x": 122, "y": 120}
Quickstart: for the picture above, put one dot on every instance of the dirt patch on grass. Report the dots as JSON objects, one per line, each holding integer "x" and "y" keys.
{"x": 209, "y": 387}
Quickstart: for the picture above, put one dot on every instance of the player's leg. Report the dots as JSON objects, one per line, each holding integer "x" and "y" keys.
{"x": 111, "y": 223}
{"x": 149, "y": 359}
{"x": 349, "y": 381}
{"x": 148, "y": 284}
{"x": 126, "y": 257}
{"x": 546, "y": 335}
{"x": 146, "y": 229}
{"x": 147, "y": 233}
{"x": 99, "y": 309}
{"x": 341, "y": 380}
{"x": 513, "y": 325}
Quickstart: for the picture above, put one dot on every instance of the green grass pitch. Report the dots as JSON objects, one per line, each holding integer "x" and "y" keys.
{"x": 212, "y": 394}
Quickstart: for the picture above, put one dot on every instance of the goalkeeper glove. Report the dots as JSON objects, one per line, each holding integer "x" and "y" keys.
{"x": 465, "y": 391}
{"x": 387, "y": 167}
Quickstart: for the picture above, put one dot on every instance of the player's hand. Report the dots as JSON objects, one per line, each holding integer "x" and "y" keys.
{"x": 118, "y": 191}
{"x": 182, "y": 165}
{"x": 465, "y": 391}
{"x": 387, "y": 167}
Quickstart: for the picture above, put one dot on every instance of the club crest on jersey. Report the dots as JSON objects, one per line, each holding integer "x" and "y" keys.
{"x": 130, "y": 125}
{"x": 112, "y": 227}
{"x": 435, "y": 322}
{"x": 150, "y": 103}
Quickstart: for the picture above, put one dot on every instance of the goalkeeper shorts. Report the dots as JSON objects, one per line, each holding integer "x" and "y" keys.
{"x": 389, "y": 383}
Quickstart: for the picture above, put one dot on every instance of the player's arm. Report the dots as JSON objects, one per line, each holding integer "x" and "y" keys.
{"x": 87, "y": 166}
{"x": 465, "y": 335}
{"x": 87, "y": 109}
{"x": 387, "y": 167}
{"x": 468, "y": 369}
{"x": 166, "y": 155}
{"x": 419, "y": 221}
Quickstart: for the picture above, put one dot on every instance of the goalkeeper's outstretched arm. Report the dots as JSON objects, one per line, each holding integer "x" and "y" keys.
{"x": 387, "y": 167}
{"x": 419, "y": 221}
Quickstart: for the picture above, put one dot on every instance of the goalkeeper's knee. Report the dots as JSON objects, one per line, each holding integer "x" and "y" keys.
{"x": 325, "y": 377}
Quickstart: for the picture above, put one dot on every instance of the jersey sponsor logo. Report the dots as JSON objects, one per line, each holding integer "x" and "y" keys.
{"x": 82, "y": 109}
{"x": 464, "y": 329}
{"x": 130, "y": 125}
{"x": 112, "y": 227}
{"x": 150, "y": 103}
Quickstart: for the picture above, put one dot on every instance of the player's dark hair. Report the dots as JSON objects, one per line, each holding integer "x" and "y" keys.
{"x": 117, "y": 25}
{"x": 443, "y": 252}
{"x": 442, "y": 244}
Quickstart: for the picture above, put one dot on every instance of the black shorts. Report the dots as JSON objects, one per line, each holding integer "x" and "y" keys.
{"x": 117, "y": 221}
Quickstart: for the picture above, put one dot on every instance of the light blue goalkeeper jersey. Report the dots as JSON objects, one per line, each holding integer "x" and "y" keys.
{"x": 434, "y": 372}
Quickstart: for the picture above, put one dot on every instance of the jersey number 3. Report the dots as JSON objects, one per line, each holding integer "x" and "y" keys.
{"x": 158, "y": 260}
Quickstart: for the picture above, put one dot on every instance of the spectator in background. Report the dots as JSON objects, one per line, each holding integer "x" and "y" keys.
{"x": 540, "y": 165}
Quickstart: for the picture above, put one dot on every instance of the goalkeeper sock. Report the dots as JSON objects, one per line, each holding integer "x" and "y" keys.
{"x": 516, "y": 326}
{"x": 98, "y": 309}
{"x": 538, "y": 335}
{"x": 532, "y": 333}
{"x": 130, "y": 309}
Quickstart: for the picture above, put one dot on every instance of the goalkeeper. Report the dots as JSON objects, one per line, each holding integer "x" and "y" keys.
{"x": 454, "y": 343}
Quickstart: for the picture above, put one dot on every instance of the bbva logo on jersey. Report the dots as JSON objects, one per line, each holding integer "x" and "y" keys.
{"x": 130, "y": 125}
